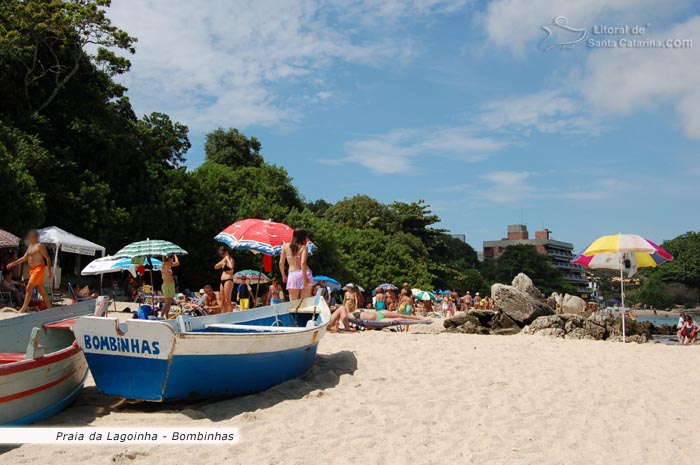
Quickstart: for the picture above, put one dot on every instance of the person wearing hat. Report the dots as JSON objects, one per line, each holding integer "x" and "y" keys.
{"x": 468, "y": 301}
{"x": 477, "y": 300}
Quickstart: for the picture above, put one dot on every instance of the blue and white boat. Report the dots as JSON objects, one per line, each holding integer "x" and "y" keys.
{"x": 202, "y": 357}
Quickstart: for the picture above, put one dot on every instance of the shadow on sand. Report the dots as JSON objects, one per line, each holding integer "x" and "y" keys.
{"x": 324, "y": 374}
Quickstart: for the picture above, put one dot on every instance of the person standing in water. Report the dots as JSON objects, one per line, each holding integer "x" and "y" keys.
{"x": 37, "y": 257}
{"x": 226, "y": 265}
{"x": 295, "y": 254}
{"x": 166, "y": 271}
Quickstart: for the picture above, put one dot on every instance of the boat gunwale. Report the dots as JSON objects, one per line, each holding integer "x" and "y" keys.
{"x": 47, "y": 359}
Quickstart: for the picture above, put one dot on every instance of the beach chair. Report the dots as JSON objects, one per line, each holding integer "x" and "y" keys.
{"x": 6, "y": 299}
{"x": 74, "y": 296}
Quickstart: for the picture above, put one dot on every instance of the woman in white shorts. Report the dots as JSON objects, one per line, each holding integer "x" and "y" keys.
{"x": 300, "y": 279}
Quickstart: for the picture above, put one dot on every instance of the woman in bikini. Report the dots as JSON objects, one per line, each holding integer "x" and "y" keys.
{"x": 343, "y": 314}
{"x": 300, "y": 279}
{"x": 226, "y": 265}
{"x": 168, "y": 288}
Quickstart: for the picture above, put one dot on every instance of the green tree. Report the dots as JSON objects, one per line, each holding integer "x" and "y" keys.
{"x": 23, "y": 202}
{"x": 231, "y": 148}
{"x": 360, "y": 212}
{"x": 524, "y": 258}
{"x": 45, "y": 43}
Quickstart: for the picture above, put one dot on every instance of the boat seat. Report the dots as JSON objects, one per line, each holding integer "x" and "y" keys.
{"x": 251, "y": 328}
{"x": 11, "y": 357}
{"x": 65, "y": 324}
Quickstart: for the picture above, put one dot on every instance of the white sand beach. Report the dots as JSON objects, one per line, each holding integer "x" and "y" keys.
{"x": 393, "y": 398}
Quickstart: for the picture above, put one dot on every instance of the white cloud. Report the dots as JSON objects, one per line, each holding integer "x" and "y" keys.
{"x": 515, "y": 24}
{"x": 505, "y": 186}
{"x": 551, "y": 111}
{"x": 221, "y": 63}
{"x": 398, "y": 150}
{"x": 623, "y": 80}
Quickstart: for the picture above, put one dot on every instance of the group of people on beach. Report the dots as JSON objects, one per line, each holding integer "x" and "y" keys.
{"x": 294, "y": 269}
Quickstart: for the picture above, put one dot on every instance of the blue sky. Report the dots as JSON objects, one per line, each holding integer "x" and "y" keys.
{"x": 454, "y": 102}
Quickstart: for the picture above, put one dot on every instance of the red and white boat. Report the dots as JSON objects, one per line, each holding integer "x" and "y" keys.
{"x": 42, "y": 369}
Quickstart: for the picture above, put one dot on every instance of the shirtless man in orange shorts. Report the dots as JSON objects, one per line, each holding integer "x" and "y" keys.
{"x": 39, "y": 262}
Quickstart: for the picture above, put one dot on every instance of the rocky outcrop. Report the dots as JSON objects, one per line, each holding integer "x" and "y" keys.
{"x": 567, "y": 303}
{"x": 596, "y": 327}
{"x": 523, "y": 308}
{"x": 481, "y": 322}
{"x": 521, "y": 301}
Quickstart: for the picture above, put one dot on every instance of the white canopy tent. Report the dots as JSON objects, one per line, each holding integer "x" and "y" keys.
{"x": 64, "y": 241}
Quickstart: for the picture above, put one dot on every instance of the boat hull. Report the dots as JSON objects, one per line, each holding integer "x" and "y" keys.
{"x": 197, "y": 376}
{"x": 33, "y": 390}
{"x": 42, "y": 369}
{"x": 195, "y": 358}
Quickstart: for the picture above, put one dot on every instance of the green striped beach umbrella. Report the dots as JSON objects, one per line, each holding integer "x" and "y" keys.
{"x": 150, "y": 248}
{"x": 425, "y": 295}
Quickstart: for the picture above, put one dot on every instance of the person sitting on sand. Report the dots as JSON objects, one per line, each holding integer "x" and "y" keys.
{"x": 391, "y": 300}
{"x": 39, "y": 264}
{"x": 688, "y": 332}
{"x": 342, "y": 314}
{"x": 212, "y": 302}
{"x": 406, "y": 303}
{"x": 13, "y": 287}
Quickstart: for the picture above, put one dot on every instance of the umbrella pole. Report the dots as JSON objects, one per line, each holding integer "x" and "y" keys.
{"x": 257, "y": 288}
{"x": 622, "y": 298}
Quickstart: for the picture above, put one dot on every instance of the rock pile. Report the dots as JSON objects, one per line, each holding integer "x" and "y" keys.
{"x": 481, "y": 322}
{"x": 523, "y": 308}
{"x": 596, "y": 327}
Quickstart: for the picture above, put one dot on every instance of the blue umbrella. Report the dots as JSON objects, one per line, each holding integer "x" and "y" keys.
{"x": 331, "y": 283}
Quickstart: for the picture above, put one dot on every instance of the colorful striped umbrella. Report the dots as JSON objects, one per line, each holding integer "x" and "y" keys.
{"x": 252, "y": 276}
{"x": 260, "y": 236}
{"x": 150, "y": 248}
{"x": 624, "y": 252}
{"x": 8, "y": 240}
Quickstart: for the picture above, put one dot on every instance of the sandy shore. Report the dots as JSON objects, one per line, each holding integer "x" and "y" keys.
{"x": 390, "y": 398}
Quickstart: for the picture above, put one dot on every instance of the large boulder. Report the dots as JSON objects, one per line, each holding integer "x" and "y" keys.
{"x": 545, "y": 322}
{"x": 502, "y": 324}
{"x": 567, "y": 303}
{"x": 525, "y": 284}
{"x": 519, "y": 305}
{"x": 484, "y": 316}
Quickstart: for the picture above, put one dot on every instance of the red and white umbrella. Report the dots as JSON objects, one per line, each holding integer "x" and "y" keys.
{"x": 260, "y": 236}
